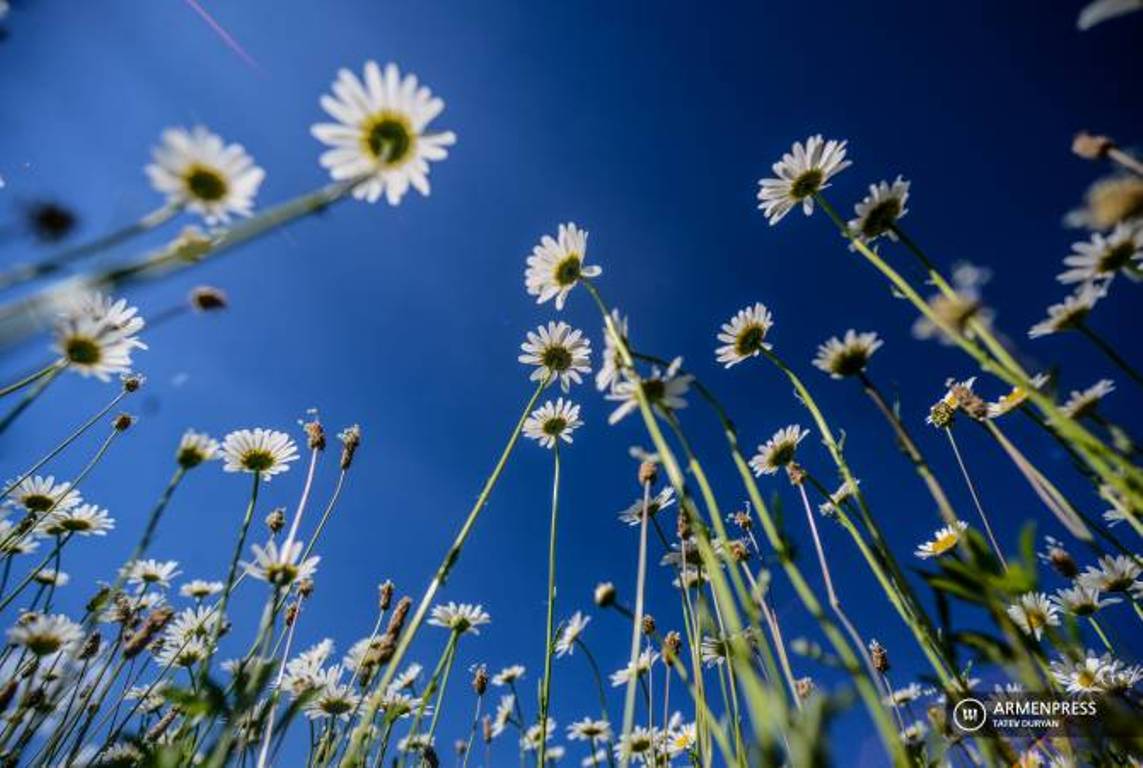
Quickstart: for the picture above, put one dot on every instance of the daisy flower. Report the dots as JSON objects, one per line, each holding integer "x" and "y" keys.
{"x": 1081, "y": 600}
{"x": 1070, "y": 312}
{"x": 184, "y": 655}
{"x": 570, "y": 633}
{"x": 681, "y": 739}
{"x": 663, "y": 389}
{"x": 552, "y": 422}
{"x": 778, "y": 451}
{"x": 51, "y": 577}
{"x": 280, "y": 566}
{"x": 589, "y": 730}
{"x": 508, "y": 675}
{"x": 844, "y": 492}
{"x": 1109, "y": 201}
{"x": 642, "y": 666}
{"x": 95, "y": 336}
{"x": 556, "y": 265}
{"x": 611, "y": 361}
{"x": 192, "y": 624}
{"x": 15, "y": 541}
{"x": 713, "y": 650}
{"x": 943, "y": 541}
{"x": 558, "y": 352}
{"x": 1101, "y": 258}
{"x": 1016, "y": 397}
{"x": 303, "y": 672}
{"x": 633, "y": 515}
{"x": 199, "y": 589}
{"x": 43, "y": 635}
{"x": 407, "y": 677}
{"x": 906, "y": 695}
{"x": 1114, "y": 574}
{"x": 504, "y": 712}
{"x": 1032, "y": 612}
{"x": 151, "y": 572}
{"x": 801, "y": 172}
{"x": 264, "y": 451}
{"x": 459, "y": 617}
{"x": 848, "y": 355}
{"x": 535, "y": 735}
{"x": 744, "y": 336}
{"x": 333, "y": 699}
{"x": 381, "y": 134}
{"x": 1081, "y": 403}
{"x": 195, "y": 448}
{"x": 1088, "y": 675}
{"x": 637, "y": 745}
{"x": 880, "y": 209}
{"x": 39, "y": 494}
{"x": 195, "y": 169}
{"x": 84, "y": 520}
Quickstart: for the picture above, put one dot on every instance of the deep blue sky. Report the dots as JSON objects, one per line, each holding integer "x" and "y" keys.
{"x": 647, "y": 124}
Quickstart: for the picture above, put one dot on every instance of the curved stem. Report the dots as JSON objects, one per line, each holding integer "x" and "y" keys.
{"x": 976, "y": 499}
{"x": 1110, "y": 352}
{"x": 31, "y": 378}
{"x": 41, "y": 383}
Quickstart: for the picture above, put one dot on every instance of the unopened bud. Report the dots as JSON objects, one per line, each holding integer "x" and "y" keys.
{"x": 206, "y": 298}
{"x": 604, "y": 594}
{"x": 276, "y": 520}
{"x": 879, "y": 656}
{"x": 291, "y": 614}
{"x": 131, "y": 382}
{"x": 1091, "y": 146}
{"x": 795, "y": 472}
{"x": 123, "y": 422}
{"x": 385, "y": 595}
{"x": 305, "y": 587}
{"x": 480, "y": 680}
{"x": 671, "y": 644}
{"x": 648, "y": 472}
{"x": 350, "y": 441}
{"x": 648, "y": 624}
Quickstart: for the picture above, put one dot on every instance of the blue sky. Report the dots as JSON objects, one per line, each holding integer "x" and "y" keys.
{"x": 647, "y": 125}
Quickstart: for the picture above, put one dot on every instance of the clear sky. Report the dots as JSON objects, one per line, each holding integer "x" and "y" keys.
{"x": 647, "y": 124}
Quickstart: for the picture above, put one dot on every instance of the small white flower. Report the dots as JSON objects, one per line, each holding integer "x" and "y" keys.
{"x": 611, "y": 362}
{"x": 84, "y": 520}
{"x": 407, "y": 677}
{"x": 906, "y": 695}
{"x": 558, "y": 352}
{"x": 552, "y": 422}
{"x": 196, "y": 169}
{"x": 303, "y": 672}
{"x": 44, "y": 635}
{"x": 681, "y": 739}
{"x": 503, "y": 714}
{"x": 633, "y": 515}
{"x": 589, "y": 730}
{"x": 663, "y": 389}
{"x": 1101, "y": 258}
{"x": 1114, "y": 574}
{"x": 265, "y": 451}
{"x": 151, "y": 572}
{"x": 198, "y": 623}
{"x": 1081, "y": 403}
{"x": 381, "y": 133}
{"x": 38, "y": 494}
{"x": 280, "y": 566}
{"x": 848, "y": 355}
{"x": 184, "y": 655}
{"x": 200, "y": 589}
{"x": 195, "y": 448}
{"x": 1081, "y": 600}
{"x": 778, "y": 451}
{"x": 637, "y": 745}
{"x": 51, "y": 577}
{"x": 844, "y": 492}
{"x": 744, "y": 336}
{"x": 1032, "y": 612}
{"x": 95, "y": 335}
{"x": 1070, "y": 312}
{"x": 556, "y": 265}
{"x": 333, "y": 698}
{"x": 1092, "y": 674}
{"x": 801, "y": 172}
{"x": 943, "y": 541}
{"x": 642, "y": 666}
{"x": 532, "y": 737}
{"x": 1015, "y": 397}
{"x": 508, "y": 675}
{"x": 880, "y": 210}
{"x": 459, "y": 617}
{"x": 570, "y": 633}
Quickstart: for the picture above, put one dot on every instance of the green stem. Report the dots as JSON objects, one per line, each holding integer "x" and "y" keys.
{"x": 546, "y": 687}
{"x": 31, "y": 377}
{"x": 1110, "y": 352}
{"x": 29, "y": 397}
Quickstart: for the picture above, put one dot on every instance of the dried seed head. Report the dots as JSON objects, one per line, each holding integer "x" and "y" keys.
{"x": 276, "y": 520}
{"x": 350, "y": 438}
{"x": 8, "y": 692}
{"x": 738, "y": 551}
{"x": 315, "y": 434}
{"x": 682, "y": 525}
{"x": 305, "y": 587}
{"x": 291, "y": 614}
{"x": 206, "y": 298}
{"x": 486, "y": 729}
{"x": 385, "y": 594}
{"x": 804, "y": 686}
{"x": 148, "y": 631}
{"x": 742, "y": 519}
{"x": 879, "y": 656}
{"x": 969, "y": 402}
{"x": 1062, "y": 561}
{"x": 941, "y": 414}
{"x": 1090, "y": 146}
{"x": 123, "y": 422}
{"x": 460, "y": 746}
{"x": 480, "y": 680}
{"x": 648, "y": 472}
{"x": 157, "y": 730}
{"x": 648, "y": 625}
{"x": 671, "y": 644}
{"x": 604, "y": 594}
{"x": 131, "y": 382}
{"x": 795, "y": 472}
{"x": 90, "y": 646}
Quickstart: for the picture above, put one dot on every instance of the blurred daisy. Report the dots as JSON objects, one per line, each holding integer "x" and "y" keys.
{"x": 844, "y": 492}
{"x": 144, "y": 573}
{"x": 611, "y": 362}
{"x": 681, "y": 739}
{"x": 552, "y": 422}
{"x": 184, "y": 655}
{"x": 508, "y": 675}
{"x": 595, "y": 759}
{"x": 195, "y": 448}
{"x": 14, "y": 540}
{"x": 1090, "y": 674}
{"x": 943, "y": 541}
{"x": 1114, "y": 574}
{"x": 1016, "y": 397}
{"x": 192, "y": 623}
{"x": 39, "y": 494}
{"x": 280, "y": 566}
{"x": 407, "y": 677}
{"x": 265, "y": 451}
{"x": 848, "y": 355}
{"x": 801, "y": 172}
{"x": 1081, "y": 403}
{"x": 43, "y": 635}
{"x": 880, "y": 210}
{"x": 1081, "y": 600}
{"x": 96, "y": 335}
{"x": 713, "y": 650}
{"x": 558, "y": 352}
{"x": 1070, "y": 312}
{"x": 459, "y": 617}
{"x": 503, "y": 716}
{"x": 663, "y": 389}
{"x": 1032, "y": 612}
{"x": 745, "y": 335}
{"x": 633, "y": 515}
{"x": 1108, "y": 202}
{"x": 197, "y": 170}
{"x": 589, "y": 730}
{"x": 906, "y": 695}
{"x": 51, "y": 577}
{"x": 570, "y": 633}
{"x": 199, "y": 589}
{"x": 1101, "y": 258}
{"x": 555, "y": 266}
{"x": 381, "y": 133}
{"x": 534, "y": 735}
{"x": 642, "y": 666}
{"x": 965, "y": 304}
{"x": 84, "y": 520}
{"x": 333, "y": 699}
{"x": 637, "y": 745}
{"x": 778, "y": 451}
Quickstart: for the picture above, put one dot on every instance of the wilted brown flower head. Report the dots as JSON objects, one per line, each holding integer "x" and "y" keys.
{"x": 879, "y": 656}
{"x": 1090, "y": 146}
{"x": 350, "y": 440}
{"x": 648, "y": 624}
{"x": 276, "y": 520}
{"x": 385, "y": 594}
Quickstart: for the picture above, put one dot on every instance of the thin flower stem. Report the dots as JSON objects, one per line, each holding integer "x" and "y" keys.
{"x": 636, "y": 625}
{"x": 30, "y": 577}
{"x": 976, "y": 499}
{"x": 598, "y": 675}
{"x": 31, "y": 378}
{"x": 1110, "y": 352}
{"x": 325, "y": 515}
{"x": 1102, "y": 636}
{"x": 771, "y": 617}
{"x": 546, "y": 687}
{"x": 264, "y": 750}
{"x": 30, "y": 397}
{"x": 314, "y": 454}
{"x": 357, "y": 749}
{"x": 443, "y": 663}
{"x": 472, "y": 730}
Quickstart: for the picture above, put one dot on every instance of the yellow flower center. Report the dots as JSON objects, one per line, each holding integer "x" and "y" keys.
{"x": 388, "y": 138}
{"x": 205, "y": 183}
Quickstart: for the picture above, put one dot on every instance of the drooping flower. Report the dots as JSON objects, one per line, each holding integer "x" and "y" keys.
{"x": 663, "y": 390}
{"x": 880, "y": 210}
{"x": 381, "y": 134}
{"x": 264, "y": 451}
{"x": 281, "y": 565}
{"x": 803, "y": 171}
{"x": 508, "y": 675}
{"x": 570, "y": 633}
{"x": 1100, "y": 258}
{"x": 459, "y": 617}
{"x": 43, "y": 635}
{"x": 195, "y": 448}
{"x": 1070, "y": 312}
{"x": 557, "y": 264}
{"x": 744, "y": 336}
{"x": 95, "y": 336}
{"x": 611, "y": 362}
{"x": 552, "y": 422}
{"x": 778, "y": 451}
{"x": 633, "y": 515}
{"x": 196, "y": 169}
{"x": 848, "y": 355}
{"x": 642, "y": 666}
{"x": 1081, "y": 403}
{"x": 1015, "y": 397}
{"x": 1032, "y": 612}
{"x": 943, "y": 541}
{"x": 557, "y": 351}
